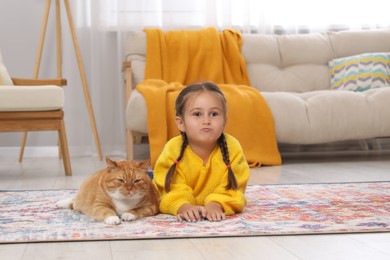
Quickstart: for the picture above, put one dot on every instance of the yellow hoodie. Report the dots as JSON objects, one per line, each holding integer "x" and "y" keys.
{"x": 197, "y": 184}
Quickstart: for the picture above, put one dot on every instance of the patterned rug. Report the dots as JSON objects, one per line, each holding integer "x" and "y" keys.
{"x": 31, "y": 216}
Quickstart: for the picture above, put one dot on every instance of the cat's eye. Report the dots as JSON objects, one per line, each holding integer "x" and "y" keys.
{"x": 137, "y": 180}
{"x": 121, "y": 180}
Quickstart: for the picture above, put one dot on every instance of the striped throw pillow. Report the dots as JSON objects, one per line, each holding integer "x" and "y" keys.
{"x": 360, "y": 72}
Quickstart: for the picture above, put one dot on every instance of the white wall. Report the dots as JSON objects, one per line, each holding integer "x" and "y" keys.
{"x": 20, "y": 29}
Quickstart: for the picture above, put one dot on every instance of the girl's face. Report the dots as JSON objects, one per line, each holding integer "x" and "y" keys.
{"x": 203, "y": 120}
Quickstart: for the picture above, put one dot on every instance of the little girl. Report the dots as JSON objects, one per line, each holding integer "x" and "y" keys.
{"x": 203, "y": 173}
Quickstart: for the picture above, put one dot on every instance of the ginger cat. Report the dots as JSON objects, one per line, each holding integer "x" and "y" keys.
{"x": 123, "y": 189}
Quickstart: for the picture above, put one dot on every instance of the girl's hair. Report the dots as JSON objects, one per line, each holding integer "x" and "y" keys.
{"x": 181, "y": 100}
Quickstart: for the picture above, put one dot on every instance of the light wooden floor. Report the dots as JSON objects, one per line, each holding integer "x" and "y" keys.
{"x": 47, "y": 173}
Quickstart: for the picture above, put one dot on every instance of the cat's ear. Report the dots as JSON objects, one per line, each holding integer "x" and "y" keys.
{"x": 145, "y": 164}
{"x": 111, "y": 164}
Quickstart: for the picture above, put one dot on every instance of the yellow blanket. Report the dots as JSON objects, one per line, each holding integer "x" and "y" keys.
{"x": 187, "y": 56}
{"x": 179, "y": 58}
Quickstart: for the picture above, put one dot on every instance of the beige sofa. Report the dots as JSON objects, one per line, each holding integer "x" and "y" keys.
{"x": 292, "y": 73}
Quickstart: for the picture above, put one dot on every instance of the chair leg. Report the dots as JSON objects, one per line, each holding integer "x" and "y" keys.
{"x": 64, "y": 149}
{"x": 129, "y": 144}
{"x": 22, "y": 145}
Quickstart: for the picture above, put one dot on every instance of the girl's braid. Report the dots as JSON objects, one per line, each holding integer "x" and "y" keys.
{"x": 168, "y": 178}
{"x": 232, "y": 182}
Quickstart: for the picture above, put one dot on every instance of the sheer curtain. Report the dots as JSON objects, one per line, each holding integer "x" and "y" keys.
{"x": 102, "y": 26}
{"x": 258, "y": 16}
{"x": 102, "y": 63}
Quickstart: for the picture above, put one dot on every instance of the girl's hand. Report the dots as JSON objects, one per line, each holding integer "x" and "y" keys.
{"x": 191, "y": 213}
{"x": 214, "y": 212}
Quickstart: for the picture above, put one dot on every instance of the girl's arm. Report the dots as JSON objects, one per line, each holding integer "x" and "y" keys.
{"x": 180, "y": 192}
{"x": 232, "y": 201}
{"x": 179, "y": 195}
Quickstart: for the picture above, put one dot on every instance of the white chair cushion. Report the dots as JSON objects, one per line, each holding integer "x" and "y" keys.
{"x": 31, "y": 98}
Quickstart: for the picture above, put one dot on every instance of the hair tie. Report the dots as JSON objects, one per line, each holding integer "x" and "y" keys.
{"x": 229, "y": 165}
{"x": 176, "y": 162}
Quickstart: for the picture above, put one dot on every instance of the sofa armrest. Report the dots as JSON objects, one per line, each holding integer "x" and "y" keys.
{"x": 126, "y": 69}
{"x": 38, "y": 82}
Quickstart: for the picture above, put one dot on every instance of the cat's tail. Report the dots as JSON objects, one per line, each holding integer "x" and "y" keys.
{"x": 65, "y": 204}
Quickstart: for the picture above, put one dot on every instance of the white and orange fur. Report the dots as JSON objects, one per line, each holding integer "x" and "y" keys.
{"x": 122, "y": 191}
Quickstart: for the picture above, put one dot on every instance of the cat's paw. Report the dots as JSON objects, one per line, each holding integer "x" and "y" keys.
{"x": 112, "y": 220}
{"x": 65, "y": 204}
{"x": 128, "y": 216}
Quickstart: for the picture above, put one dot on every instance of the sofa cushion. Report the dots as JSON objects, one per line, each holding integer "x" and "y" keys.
{"x": 327, "y": 116}
{"x": 360, "y": 72}
{"x": 31, "y": 98}
{"x": 300, "y": 117}
{"x": 349, "y": 43}
{"x": 276, "y": 62}
{"x": 136, "y": 54}
{"x": 5, "y": 79}
{"x": 136, "y": 114}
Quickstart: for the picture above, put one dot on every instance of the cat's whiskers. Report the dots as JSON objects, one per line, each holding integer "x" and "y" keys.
{"x": 125, "y": 203}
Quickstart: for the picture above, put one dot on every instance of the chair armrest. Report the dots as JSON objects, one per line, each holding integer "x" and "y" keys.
{"x": 38, "y": 82}
{"x": 126, "y": 69}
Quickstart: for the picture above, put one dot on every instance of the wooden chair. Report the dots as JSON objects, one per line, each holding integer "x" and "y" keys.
{"x": 48, "y": 117}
